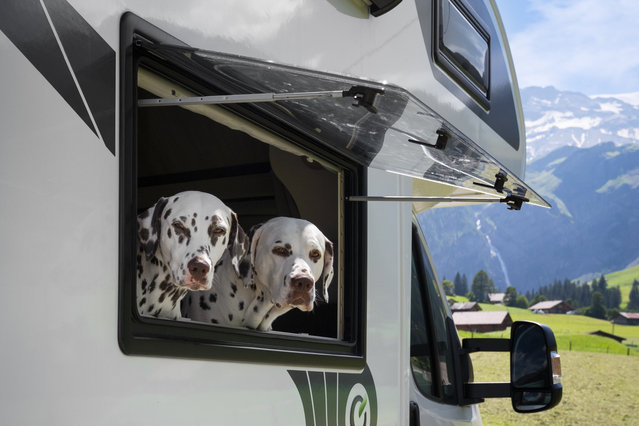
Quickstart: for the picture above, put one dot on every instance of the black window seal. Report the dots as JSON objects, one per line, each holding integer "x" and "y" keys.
{"x": 166, "y": 338}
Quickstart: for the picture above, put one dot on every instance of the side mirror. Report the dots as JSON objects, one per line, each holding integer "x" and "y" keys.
{"x": 535, "y": 368}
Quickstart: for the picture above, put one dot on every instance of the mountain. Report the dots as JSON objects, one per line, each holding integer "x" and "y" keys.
{"x": 593, "y": 227}
{"x": 556, "y": 118}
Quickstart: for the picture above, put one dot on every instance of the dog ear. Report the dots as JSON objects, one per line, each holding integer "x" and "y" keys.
{"x": 149, "y": 227}
{"x": 238, "y": 244}
{"x": 327, "y": 272}
{"x": 246, "y": 265}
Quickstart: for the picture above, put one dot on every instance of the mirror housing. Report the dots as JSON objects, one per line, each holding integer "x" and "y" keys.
{"x": 535, "y": 368}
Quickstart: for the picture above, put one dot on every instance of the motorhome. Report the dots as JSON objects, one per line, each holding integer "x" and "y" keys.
{"x": 355, "y": 115}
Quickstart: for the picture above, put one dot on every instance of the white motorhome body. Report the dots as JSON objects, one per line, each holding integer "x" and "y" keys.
{"x": 432, "y": 110}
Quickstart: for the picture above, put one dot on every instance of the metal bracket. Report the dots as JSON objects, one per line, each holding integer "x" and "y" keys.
{"x": 440, "y": 144}
{"x": 500, "y": 179}
{"x": 514, "y": 201}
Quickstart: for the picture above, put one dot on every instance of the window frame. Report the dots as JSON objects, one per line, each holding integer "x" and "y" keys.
{"x": 447, "y": 63}
{"x": 423, "y": 264}
{"x": 159, "y": 337}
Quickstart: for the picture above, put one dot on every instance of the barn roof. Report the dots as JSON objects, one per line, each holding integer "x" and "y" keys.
{"x": 630, "y": 315}
{"x": 496, "y": 297}
{"x": 463, "y": 306}
{"x": 547, "y": 304}
{"x": 481, "y": 318}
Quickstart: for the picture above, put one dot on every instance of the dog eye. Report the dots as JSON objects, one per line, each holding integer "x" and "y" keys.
{"x": 315, "y": 254}
{"x": 219, "y": 231}
{"x": 281, "y": 251}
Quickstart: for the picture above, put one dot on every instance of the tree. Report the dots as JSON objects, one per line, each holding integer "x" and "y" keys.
{"x": 597, "y": 309}
{"x": 521, "y": 302}
{"x": 461, "y": 284}
{"x": 449, "y": 288}
{"x": 511, "y": 296}
{"x": 633, "y": 303}
{"x": 482, "y": 285}
{"x": 538, "y": 298}
{"x": 613, "y": 297}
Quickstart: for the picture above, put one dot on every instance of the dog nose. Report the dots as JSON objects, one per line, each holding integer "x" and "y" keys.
{"x": 302, "y": 283}
{"x": 198, "y": 268}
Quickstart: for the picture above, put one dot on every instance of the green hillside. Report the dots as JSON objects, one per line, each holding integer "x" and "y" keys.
{"x": 624, "y": 280}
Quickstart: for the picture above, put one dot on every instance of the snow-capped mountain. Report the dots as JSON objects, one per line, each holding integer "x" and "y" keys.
{"x": 556, "y": 118}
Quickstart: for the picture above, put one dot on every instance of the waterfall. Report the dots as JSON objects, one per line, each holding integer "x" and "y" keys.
{"x": 493, "y": 250}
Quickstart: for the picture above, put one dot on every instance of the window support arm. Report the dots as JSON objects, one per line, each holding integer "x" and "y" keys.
{"x": 362, "y": 95}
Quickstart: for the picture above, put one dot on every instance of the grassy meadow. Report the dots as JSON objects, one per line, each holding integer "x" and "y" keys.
{"x": 597, "y": 389}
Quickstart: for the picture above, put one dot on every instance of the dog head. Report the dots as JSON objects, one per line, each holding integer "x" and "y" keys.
{"x": 188, "y": 232}
{"x": 289, "y": 258}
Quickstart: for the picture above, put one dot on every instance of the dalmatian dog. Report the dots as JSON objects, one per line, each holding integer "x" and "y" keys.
{"x": 287, "y": 259}
{"x": 180, "y": 239}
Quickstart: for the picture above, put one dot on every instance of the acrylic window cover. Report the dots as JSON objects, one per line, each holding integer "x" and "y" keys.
{"x": 383, "y": 140}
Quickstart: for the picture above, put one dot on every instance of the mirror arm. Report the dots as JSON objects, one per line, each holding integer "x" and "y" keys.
{"x": 487, "y": 390}
{"x": 485, "y": 345}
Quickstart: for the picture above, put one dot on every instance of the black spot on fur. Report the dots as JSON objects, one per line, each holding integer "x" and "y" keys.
{"x": 168, "y": 232}
{"x": 144, "y": 234}
{"x": 233, "y": 288}
{"x": 230, "y": 317}
{"x": 175, "y": 199}
{"x": 245, "y": 265}
{"x": 213, "y": 297}
{"x": 143, "y": 301}
{"x": 214, "y": 321}
{"x": 193, "y": 222}
{"x": 150, "y": 308}
{"x": 254, "y": 308}
{"x": 232, "y": 294}
{"x": 204, "y": 305}
{"x": 241, "y": 306}
{"x": 168, "y": 212}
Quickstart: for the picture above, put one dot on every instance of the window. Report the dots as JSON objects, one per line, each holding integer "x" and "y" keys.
{"x": 462, "y": 48}
{"x": 261, "y": 162}
{"x": 431, "y": 357}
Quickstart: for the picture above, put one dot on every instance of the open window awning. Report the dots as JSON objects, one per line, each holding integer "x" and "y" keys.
{"x": 376, "y": 125}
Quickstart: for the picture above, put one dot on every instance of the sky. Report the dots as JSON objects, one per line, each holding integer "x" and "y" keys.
{"x": 588, "y": 46}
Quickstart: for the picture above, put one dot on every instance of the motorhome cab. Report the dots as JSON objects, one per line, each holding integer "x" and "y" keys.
{"x": 354, "y": 115}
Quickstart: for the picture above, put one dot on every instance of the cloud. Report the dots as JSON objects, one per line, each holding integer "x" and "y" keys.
{"x": 590, "y": 46}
